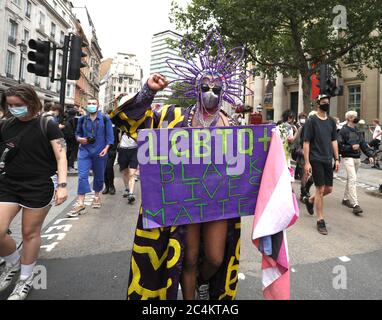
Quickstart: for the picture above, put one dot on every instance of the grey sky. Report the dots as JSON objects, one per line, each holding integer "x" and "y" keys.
{"x": 128, "y": 25}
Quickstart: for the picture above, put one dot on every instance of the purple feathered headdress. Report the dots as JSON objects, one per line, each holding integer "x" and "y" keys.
{"x": 196, "y": 64}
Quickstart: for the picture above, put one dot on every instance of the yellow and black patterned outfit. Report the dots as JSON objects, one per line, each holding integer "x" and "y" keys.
{"x": 157, "y": 257}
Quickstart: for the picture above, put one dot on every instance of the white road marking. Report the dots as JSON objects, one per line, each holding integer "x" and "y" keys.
{"x": 344, "y": 259}
{"x": 65, "y": 228}
{"x": 50, "y": 247}
{"x": 67, "y": 219}
{"x": 59, "y": 236}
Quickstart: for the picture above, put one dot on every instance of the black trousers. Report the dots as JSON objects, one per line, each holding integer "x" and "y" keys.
{"x": 109, "y": 172}
{"x": 72, "y": 152}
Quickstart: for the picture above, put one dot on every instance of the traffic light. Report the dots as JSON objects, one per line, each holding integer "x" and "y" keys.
{"x": 322, "y": 77}
{"x": 331, "y": 88}
{"x": 326, "y": 83}
{"x": 41, "y": 57}
{"x": 76, "y": 55}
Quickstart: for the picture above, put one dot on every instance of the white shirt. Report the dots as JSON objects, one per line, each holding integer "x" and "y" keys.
{"x": 376, "y": 132}
{"x": 128, "y": 142}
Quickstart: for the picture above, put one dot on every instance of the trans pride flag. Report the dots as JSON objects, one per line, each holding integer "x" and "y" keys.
{"x": 276, "y": 210}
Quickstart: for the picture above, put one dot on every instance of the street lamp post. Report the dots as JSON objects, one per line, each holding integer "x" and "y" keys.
{"x": 23, "y": 49}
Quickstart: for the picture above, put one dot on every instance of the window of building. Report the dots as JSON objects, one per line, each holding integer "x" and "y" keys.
{"x": 119, "y": 89}
{"x": 9, "y": 65}
{"x": 42, "y": 21}
{"x": 28, "y": 9}
{"x": 12, "y": 36}
{"x": 355, "y": 98}
{"x": 69, "y": 90}
{"x": 60, "y": 62}
{"x": 62, "y": 37}
{"x": 53, "y": 30}
{"x": 26, "y": 36}
{"x": 130, "y": 90}
{"x": 17, "y": 2}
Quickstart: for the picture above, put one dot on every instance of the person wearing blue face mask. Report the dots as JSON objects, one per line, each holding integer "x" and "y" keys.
{"x": 95, "y": 135}
{"x": 34, "y": 171}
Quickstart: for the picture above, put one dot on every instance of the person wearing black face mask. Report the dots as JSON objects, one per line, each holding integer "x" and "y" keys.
{"x": 351, "y": 142}
{"x": 320, "y": 147}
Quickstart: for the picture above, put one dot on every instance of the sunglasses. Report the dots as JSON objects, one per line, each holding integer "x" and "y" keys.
{"x": 215, "y": 90}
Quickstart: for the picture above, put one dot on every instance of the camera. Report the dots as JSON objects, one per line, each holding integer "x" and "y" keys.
{"x": 91, "y": 140}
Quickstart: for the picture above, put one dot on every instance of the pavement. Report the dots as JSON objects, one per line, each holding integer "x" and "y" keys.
{"x": 87, "y": 258}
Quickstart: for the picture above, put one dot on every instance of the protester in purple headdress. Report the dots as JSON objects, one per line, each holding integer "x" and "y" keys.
{"x": 166, "y": 257}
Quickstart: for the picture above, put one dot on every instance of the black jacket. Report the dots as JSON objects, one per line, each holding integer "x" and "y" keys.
{"x": 347, "y": 138}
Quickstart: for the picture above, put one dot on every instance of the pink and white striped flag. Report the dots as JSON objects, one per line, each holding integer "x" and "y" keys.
{"x": 276, "y": 210}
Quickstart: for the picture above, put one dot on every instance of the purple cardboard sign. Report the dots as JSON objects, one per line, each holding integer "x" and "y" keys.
{"x": 196, "y": 175}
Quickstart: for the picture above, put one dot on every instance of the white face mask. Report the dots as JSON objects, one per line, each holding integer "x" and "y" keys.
{"x": 303, "y": 121}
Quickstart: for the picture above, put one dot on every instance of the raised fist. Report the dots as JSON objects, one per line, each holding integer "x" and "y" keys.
{"x": 157, "y": 82}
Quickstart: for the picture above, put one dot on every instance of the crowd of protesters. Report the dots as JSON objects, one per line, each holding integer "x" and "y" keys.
{"x": 319, "y": 144}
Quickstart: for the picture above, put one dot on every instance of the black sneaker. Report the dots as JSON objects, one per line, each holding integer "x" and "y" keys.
{"x": 309, "y": 206}
{"x": 347, "y": 203}
{"x": 126, "y": 193}
{"x": 357, "y": 210}
{"x": 303, "y": 195}
{"x": 321, "y": 227}
{"x": 112, "y": 191}
{"x": 131, "y": 198}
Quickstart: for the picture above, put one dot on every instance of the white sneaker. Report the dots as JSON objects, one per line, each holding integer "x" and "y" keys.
{"x": 22, "y": 289}
{"x": 203, "y": 292}
{"x": 7, "y": 276}
{"x": 77, "y": 210}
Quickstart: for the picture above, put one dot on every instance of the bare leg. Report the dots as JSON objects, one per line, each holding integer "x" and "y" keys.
{"x": 132, "y": 179}
{"x": 318, "y": 200}
{"x": 81, "y": 199}
{"x": 7, "y": 213}
{"x": 125, "y": 176}
{"x": 190, "y": 262}
{"x": 32, "y": 224}
{"x": 215, "y": 238}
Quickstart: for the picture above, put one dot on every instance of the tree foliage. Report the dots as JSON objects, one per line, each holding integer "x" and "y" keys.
{"x": 291, "y": 36}
{"x": 178, "y": 99}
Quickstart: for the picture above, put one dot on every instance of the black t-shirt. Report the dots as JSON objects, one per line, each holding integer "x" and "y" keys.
{"x": 320, "y": 134}
{"x": 35, "y": 157}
